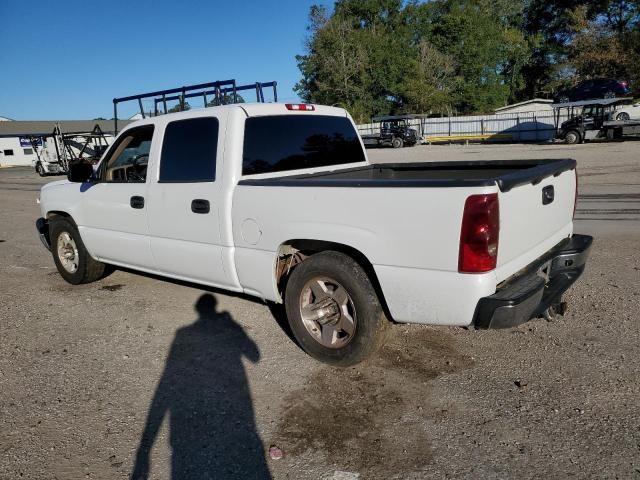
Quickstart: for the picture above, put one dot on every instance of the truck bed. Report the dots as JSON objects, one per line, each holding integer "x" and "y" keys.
{"x": 507, "y": 174}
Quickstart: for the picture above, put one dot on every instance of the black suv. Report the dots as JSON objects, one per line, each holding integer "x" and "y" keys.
{"x": 596, "y": 88}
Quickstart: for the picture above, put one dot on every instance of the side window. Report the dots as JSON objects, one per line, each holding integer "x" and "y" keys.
{"x": 129, "y": 156}
{"x": 189, "y": 151}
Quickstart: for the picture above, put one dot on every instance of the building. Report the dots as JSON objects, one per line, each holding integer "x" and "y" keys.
{"x": 18, "y": 138}
{"x": 529, "y": 106}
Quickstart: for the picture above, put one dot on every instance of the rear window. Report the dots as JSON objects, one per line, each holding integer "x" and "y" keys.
{"x": 189, "y": 151}
{"x": 291, "y": 142}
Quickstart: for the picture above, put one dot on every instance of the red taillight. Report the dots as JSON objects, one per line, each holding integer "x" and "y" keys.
{"x": 304, "y": 107}
{"x": 479, "y": 234}
{"x": 575, "y": 195}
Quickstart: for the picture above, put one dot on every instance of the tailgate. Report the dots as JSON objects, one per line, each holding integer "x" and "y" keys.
{"x": 534, "y": 218}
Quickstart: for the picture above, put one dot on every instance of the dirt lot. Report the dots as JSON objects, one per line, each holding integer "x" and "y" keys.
{"x": 169, "y": 380}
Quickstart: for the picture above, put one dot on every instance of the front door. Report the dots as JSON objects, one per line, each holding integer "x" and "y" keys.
{"x": 113, "y": 219}
{"x": 187, "y": 205}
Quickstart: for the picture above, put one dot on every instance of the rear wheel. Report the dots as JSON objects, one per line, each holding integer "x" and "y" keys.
{"x": 610, "y": 94}
{"x": 572, "y": 137}
{"x": 73, "y": 261}
{"x": 563, "y": 99}
{"x": 397, "y": 142}
{"x": 333, "y": 310}
{"x": 40, "y": 170}
{"x": 623, "y": 116}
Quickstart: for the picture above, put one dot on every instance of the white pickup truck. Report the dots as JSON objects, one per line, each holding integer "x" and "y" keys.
{"x": 278, "y": 201}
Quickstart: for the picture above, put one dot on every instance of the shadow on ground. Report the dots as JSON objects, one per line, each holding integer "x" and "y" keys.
{"x": 204, "y": 395}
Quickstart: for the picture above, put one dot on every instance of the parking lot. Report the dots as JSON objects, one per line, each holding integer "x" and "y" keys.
{"x": 171, "y": 380}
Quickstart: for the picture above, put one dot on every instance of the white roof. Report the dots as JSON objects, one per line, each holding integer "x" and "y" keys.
{"x": 542, "y": 101}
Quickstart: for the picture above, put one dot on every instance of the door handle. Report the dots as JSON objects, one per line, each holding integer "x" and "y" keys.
{"x": 200, "y": 205}
{"x": 136, "y": 202}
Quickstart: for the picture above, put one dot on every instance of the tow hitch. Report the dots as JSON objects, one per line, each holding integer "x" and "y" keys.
{"x": 557, "y": 309}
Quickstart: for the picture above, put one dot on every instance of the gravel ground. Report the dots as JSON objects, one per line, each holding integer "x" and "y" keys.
{"x": 135, "y": 373}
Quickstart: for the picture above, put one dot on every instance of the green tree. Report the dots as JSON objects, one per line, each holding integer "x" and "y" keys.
{"x": 350, "y": 60}
{"x": 227, "y": 98}
{"x": 431, "y": 86}
{"x": 179, "y": 108}
{"x": 596, "y": 50}
{"x": 388, "y": 56}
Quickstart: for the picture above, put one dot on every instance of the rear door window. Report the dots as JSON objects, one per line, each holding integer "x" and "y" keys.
{"x": 189, "y": 151}
{"x": 290, "y": 142}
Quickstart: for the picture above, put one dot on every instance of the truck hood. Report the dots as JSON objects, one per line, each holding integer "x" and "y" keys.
{"x": 51, "y": 185}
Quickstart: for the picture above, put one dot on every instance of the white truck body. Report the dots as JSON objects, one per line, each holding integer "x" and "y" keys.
{"x": 408, "y": 230}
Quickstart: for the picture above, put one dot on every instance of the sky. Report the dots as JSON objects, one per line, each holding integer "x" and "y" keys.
{"x": 68, "y": 59}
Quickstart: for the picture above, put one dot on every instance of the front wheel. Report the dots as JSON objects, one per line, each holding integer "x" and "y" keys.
{"x": 73, "y": 261}
{"x": 40, "y": 170}
{"x": 397, "y": 142}
{"x": 333, "y": 309}
{"x": 572, "y": 137}
{"x": 623, "y": 116}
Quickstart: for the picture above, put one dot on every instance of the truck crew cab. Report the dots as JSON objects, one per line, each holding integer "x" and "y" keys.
{"x": 279, "y": 201}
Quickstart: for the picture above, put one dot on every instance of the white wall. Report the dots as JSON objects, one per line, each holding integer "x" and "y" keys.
{"x": 19, "y": 156}
{"x": 523, "y": 127}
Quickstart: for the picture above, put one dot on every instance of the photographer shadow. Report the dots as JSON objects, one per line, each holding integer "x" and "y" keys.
{"x": 205, "y": 393}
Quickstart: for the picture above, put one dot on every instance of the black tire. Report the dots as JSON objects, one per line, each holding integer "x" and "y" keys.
{"x": 610, "y": 94}
{"x": 563, "y": 99}
{"x": 572, "y": 137}
{"x": 40, "y": 170}
{"x": 397, "y": 142}
{"x": 87, "y": 268}
{"x": 623, "y": 116}
{"x": 369, "y": 320}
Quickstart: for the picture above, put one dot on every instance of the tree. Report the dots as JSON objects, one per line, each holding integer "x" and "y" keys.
{"x": 431, "y": 88}
{"x": 596, "y": 50}
{"x": 179, "y": 108}
{"x": 388, "y": 56}
{"x": 227, "y": 98}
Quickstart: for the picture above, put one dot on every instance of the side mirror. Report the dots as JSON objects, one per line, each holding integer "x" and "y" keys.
{"x": 80, "y": 172}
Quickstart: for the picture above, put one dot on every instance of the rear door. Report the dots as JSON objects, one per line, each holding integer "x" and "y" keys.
{"x": 533, "y": 219}
{"x": 186, "y": 203}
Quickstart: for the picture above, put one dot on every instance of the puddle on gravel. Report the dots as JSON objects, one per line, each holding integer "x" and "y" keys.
{"x": 371, "y": 418}
{"x": 112, "y": 288}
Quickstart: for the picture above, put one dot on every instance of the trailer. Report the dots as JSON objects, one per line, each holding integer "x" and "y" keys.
{"x": 64, "y": 148}
{"x": 593, "y": 120}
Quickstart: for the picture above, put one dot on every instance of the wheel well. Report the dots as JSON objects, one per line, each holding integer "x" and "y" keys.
{"x": 293, "y": 252}
{"x": 54, "y": 213}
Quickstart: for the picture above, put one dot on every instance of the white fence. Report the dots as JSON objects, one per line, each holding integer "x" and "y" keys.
{"x": 516, "y": 127}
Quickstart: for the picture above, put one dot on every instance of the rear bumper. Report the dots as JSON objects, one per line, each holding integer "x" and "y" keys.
{"x": 537, "y": 287}
{"x": 42, "y": 225}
